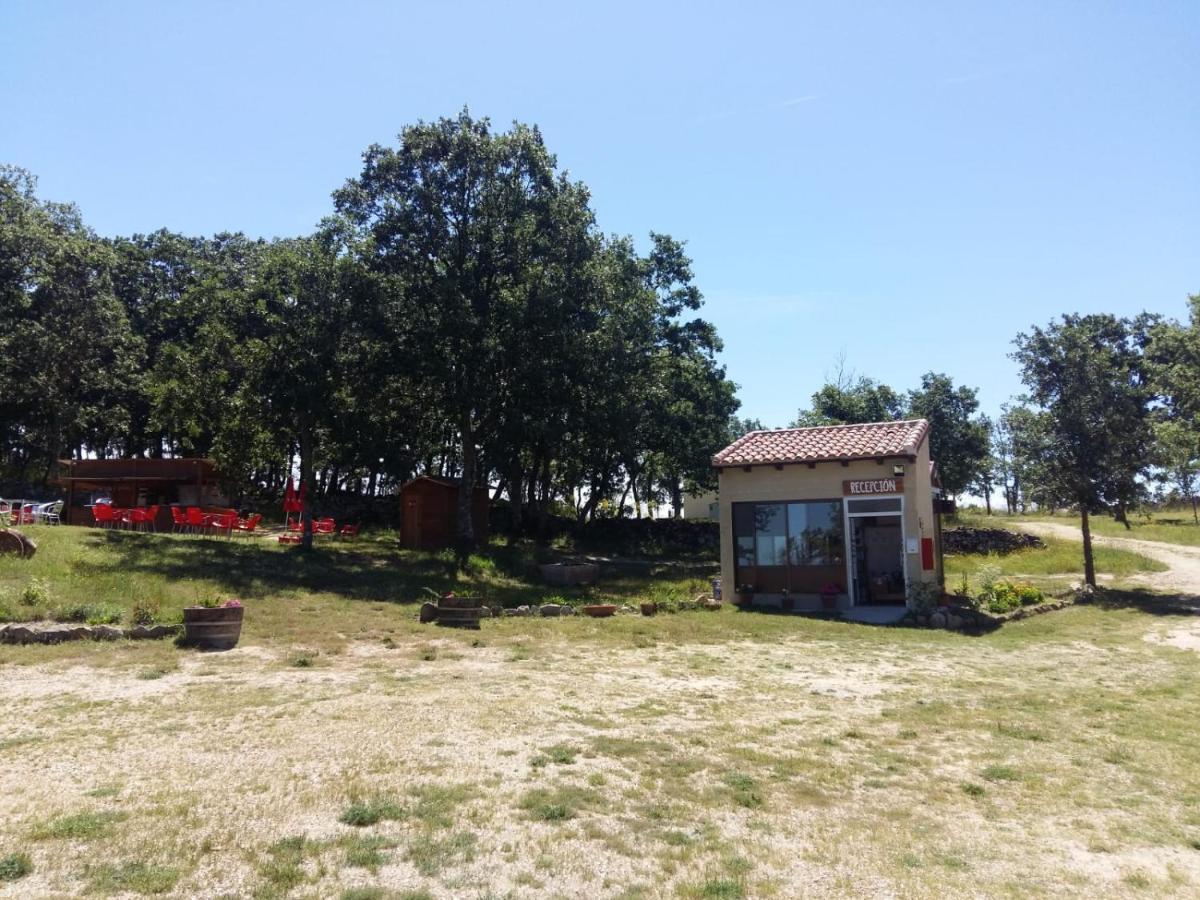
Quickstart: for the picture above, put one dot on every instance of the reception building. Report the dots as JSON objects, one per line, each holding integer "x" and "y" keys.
{"x": 847, "y": 512}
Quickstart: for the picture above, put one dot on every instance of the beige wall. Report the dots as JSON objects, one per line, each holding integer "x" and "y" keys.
{"x": 824, "y": 482}
{"x": 699, "y": 506}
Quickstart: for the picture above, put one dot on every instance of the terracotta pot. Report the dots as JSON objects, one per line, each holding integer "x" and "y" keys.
{"x": 213, "y": 628}
{"x": 599, "y": 611}
{"x": 649, "y": 609}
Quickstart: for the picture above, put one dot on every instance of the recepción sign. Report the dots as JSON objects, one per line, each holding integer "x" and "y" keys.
{"x": 873, "y": 486}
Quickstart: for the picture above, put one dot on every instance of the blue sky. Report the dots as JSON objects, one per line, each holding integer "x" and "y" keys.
{"x": 908, "y": 186}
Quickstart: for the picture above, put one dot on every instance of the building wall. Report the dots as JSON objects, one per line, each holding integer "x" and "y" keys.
{"x": 824, "y": 482}
{"x": 701, "y": 506}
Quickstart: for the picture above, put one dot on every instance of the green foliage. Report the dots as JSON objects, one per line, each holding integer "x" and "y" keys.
{"x": 14, "y": 866}
{"x": 137, "y": 877}
{"x": 145, "y": 612}
{"x": 36, "y": 593}
{"x": 77, "y": 826}
{"x": 89, "y": 613}
{"x": 369, "y": 812}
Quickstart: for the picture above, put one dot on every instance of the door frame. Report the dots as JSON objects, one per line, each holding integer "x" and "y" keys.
{"x": 851, "y": 544}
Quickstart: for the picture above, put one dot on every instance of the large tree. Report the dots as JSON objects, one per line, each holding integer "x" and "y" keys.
{"x": 958, "y": 436}
{"x": 1088, "y": 374}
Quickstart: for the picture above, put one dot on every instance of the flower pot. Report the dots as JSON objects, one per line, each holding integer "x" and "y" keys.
{"x": 213, "y": 628}
{"x": 649, "y": 609}
{"x": 599, "y": 611}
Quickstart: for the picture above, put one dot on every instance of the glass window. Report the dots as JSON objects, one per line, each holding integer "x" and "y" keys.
{"x": 770, "y": 534}
{"x": 815, "y": 533}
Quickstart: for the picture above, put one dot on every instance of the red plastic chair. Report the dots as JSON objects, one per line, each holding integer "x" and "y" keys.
{"x": 138, "y": 519}
{"x": 196, "y": 520}
{"x": 102, "y": 515}
{"x": 179, "y": 520}
{"x": 349, "y": 531}
{"x": 247, "y": 526}
{"x": 152, "y": 517}
{"x": 323, "y": 526}
{"x": 224, "y": 522}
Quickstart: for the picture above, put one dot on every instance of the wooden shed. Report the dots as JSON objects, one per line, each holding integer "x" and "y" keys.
{"x": 139, "y": 482}
{"x": 429, "y": 513}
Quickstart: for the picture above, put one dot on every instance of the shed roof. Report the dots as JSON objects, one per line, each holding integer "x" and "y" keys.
{"x": 872, "y": 440}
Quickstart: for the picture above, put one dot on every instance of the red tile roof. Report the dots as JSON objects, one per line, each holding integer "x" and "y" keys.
{"x": 828, "y": 442}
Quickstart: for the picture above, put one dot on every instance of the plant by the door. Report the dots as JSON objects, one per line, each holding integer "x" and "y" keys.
{"x": 829, "y": 595}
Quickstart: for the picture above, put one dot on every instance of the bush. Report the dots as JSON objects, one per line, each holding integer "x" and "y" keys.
{"x": 14, "y": 866}
{"x": 36, "y": 593}
{"x": 145, "y": 612}
{"x": 1005, "y": 596}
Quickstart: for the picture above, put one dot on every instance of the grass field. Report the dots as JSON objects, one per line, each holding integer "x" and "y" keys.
{"x": 1048, "y": 568}
{"x": 1174, "y": 526}
{"x": 343, "y": 750}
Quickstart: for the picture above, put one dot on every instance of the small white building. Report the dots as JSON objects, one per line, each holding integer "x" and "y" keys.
{"x": 845, "y": 511}
{"x": 702, "y": 506}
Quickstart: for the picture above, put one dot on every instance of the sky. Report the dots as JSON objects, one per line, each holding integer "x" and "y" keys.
{"x": 907, "y": 186}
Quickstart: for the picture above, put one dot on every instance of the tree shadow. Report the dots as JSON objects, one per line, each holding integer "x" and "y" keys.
{"x": 1147, "y": 601}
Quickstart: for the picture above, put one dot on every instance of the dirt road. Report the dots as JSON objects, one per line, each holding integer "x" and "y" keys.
{"x": 1183, "y": 576}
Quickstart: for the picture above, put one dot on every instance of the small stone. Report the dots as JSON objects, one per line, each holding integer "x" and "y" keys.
{"x": 627, "y": 609}
{"x": 566, "y": 610}
{"x": 953, "y": 622}
{"x": 428, "y": 613}
{"x": 938, "y": 620}
{"x": 19, "y": 634}
{"x": 485, "y": 612}
{"x": 153, "y": 632}
{"x": 107, "y": 632}
{"x": 550, "y": 609}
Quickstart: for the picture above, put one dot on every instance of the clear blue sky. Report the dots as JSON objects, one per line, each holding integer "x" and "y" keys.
{"x": 912, "y": 186}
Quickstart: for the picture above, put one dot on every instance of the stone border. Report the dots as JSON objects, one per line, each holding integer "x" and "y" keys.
{"x": 24, "y": 633}
{"x": 959, "y": 617}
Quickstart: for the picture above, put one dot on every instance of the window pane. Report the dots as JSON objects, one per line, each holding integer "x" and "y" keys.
{"x": 743, "y": 520}
{"x": 770, "y": 531}
{"x": 797, "y": 551}
{"x": 745, "y": 551}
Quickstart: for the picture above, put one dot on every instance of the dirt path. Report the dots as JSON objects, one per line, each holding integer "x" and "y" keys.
{"x": 1183, "y": 575}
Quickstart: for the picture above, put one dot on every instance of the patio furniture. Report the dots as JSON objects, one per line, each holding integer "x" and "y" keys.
{"x": 102, "y": 515}
{"x": 349, "y": 531}
{"x": 138, "y": 519}
{"x": 49, "y": 513}
{"x": 247, "y": 526}
{"x": 195, "y": 520}
{"x": 179, "y": 520}
{"x": 223, "y": 522}
{"x": 324, "y": 526}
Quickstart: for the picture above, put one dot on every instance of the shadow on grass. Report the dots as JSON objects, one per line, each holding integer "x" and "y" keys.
{"x": 373, "y": 569}
{"x": 366, "y": 570}
{"x": 1147, "y": 601}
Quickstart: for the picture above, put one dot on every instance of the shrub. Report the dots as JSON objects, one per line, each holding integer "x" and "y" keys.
{"x": 1029, "y": 595}
{"x": 145, "y": 612}
{"x": 14, "y": 866}
{"x": 36, "y": 593}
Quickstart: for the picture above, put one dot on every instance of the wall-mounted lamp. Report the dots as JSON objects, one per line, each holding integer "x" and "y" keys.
{"x": 898, "y": 470}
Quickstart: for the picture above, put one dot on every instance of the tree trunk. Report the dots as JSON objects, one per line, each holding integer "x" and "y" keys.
{"x": 1089, "y": 563}
{"x": 516, "y": 479}
{"x": 1195, "y": 516}
{"x": 466, "y": 491}
{"x": 987, "y": 499}
{"x": 676, "y": 497}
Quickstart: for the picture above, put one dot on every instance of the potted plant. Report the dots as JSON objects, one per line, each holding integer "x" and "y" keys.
{"x": 213, "y": 625}
{"x": 745, "y": 594}
{"x": 829, "y": 595}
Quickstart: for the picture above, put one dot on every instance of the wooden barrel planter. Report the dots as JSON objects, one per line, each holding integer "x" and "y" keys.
{"x": 213, "y": 628}
{"x": 459, "y": 612}
{"x": 599, "y": 611}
